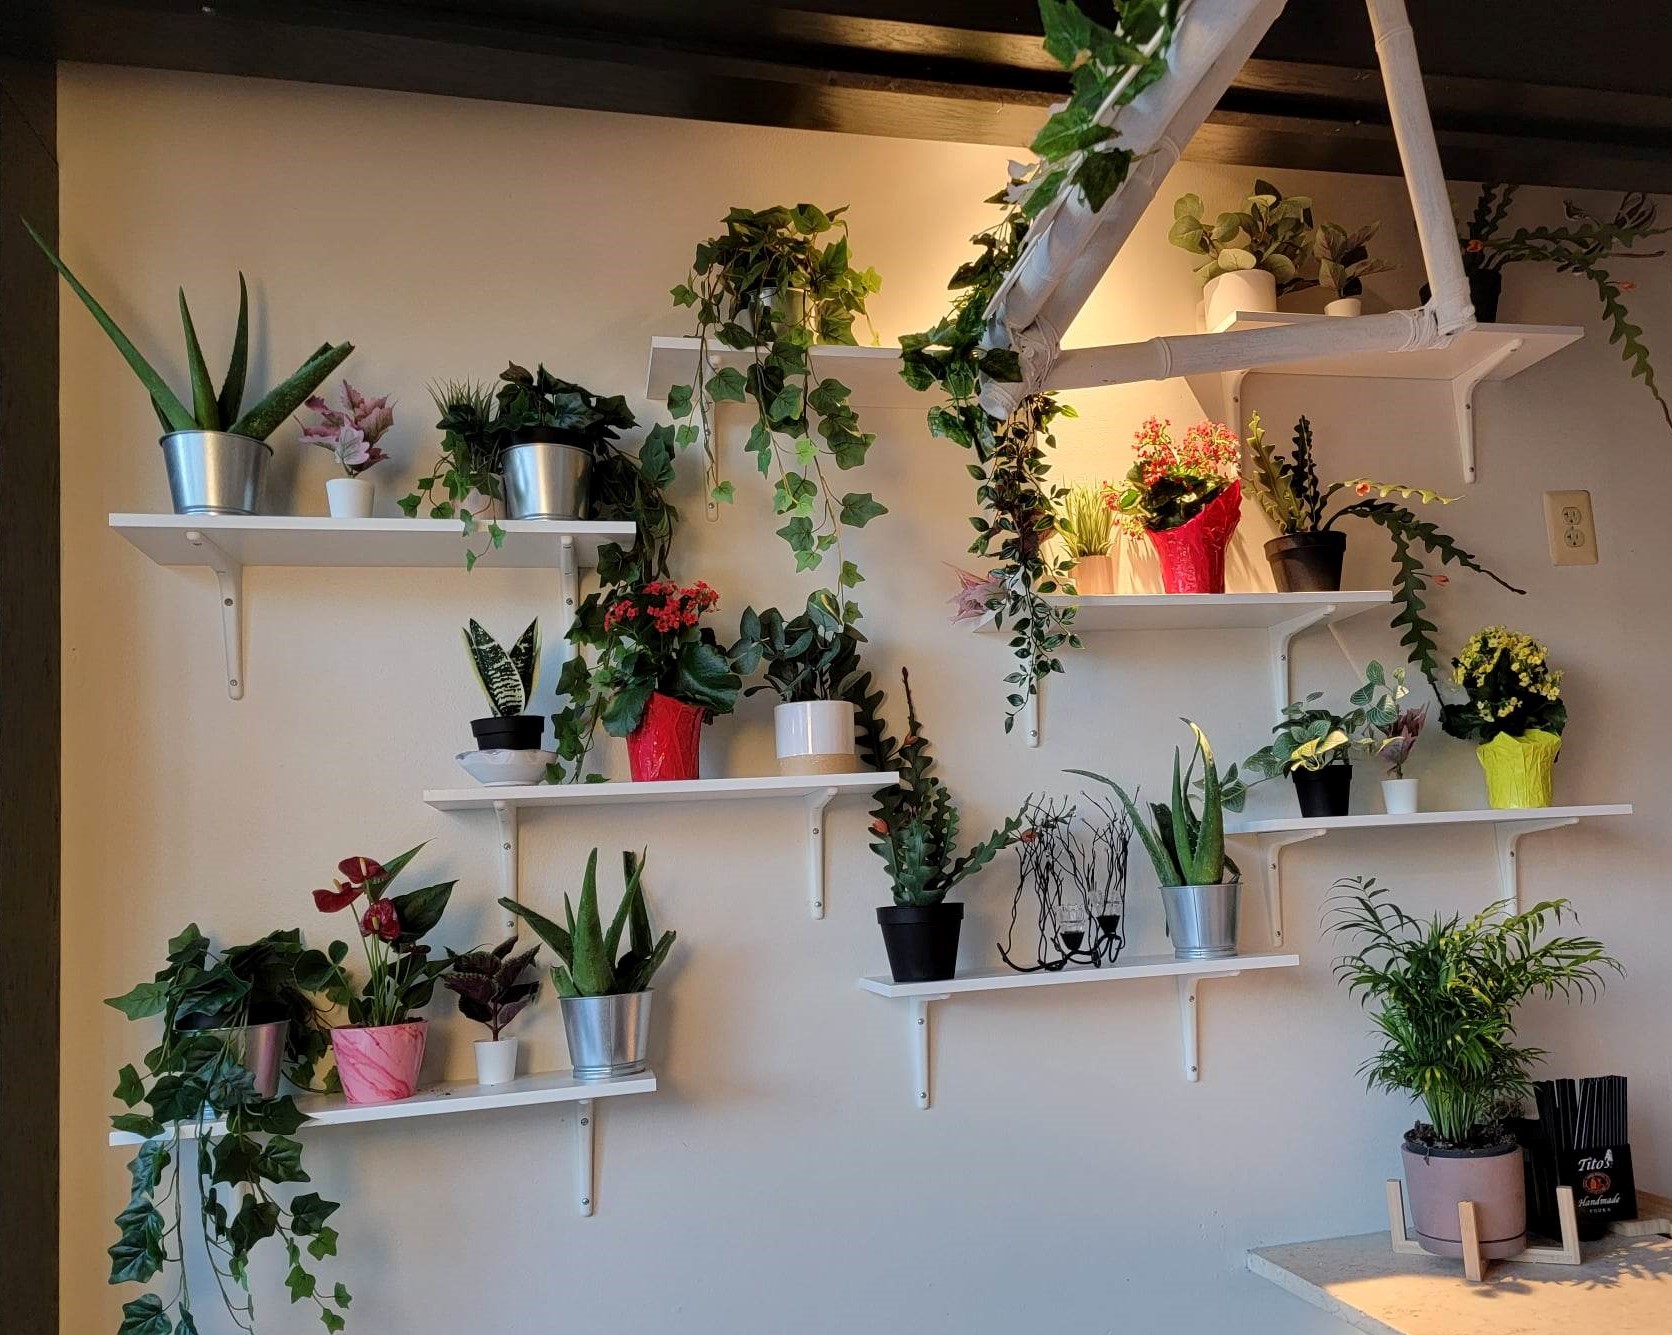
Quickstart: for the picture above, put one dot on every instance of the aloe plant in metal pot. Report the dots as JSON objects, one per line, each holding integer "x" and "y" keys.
{"x": 1446, "y": 992}
{"x": 507, "y": 680}
{"x": 812, "y": 662}
{"x": 216, "y": 450}
{"x": 604, "y": 996}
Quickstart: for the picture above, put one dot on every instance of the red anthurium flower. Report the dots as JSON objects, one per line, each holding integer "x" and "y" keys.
{"x": 357, "y": 871}
{"x": 380, "y": 920}
{"x": 334, "y": 901}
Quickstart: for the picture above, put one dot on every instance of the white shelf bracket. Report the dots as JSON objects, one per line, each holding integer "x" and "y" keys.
{"x": 506, "y": 814}
{"x": 918, "y": 1015}
{"x": 1463, "y": 401}
{"x": 1190, "y": 1014}
{"x": 816, "y": 805}
{"x": 1030, "y": 715}
{"x": 585, "y": 1117}
{"x": 1279, "y": 638}
{"x": 1233, "y": 401}
{"x": 229, "y": 574}
{"x": 569, "y": 584}
{"x": 1269, "y": 850}
{"x": 1508, "y": 834}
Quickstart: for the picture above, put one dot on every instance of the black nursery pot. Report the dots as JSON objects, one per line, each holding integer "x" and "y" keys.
{"x": 922, "y": 940}
{"x": 1485, "y": 287}
{"x": 517, "y": 732}
{"x": 1307, "y": 562}
{"x": 1324, "y": 792}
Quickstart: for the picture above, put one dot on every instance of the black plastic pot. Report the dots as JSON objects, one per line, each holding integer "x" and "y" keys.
{"x": 1324, "y": 792}
{"x": 1485, "y": 287}
{"x": 550, "y": 435}
{"x": 517, "y": 732}
{"x": 1307, "y": 562}
{"x": 922, "y": 940}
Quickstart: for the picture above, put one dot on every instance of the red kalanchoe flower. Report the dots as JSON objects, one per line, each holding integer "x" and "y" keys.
{"x": 334, "y": 901}
{"x": 380, "y": 920}
{"x": 357, "y": 871}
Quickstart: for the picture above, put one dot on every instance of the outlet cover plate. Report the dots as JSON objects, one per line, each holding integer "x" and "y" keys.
{"x": 1571, "y": 528}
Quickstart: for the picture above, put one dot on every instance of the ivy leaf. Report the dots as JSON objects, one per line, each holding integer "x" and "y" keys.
{"x": 128, "y": 1087}
{"x": 137, "y": 1254}
{"x": 299, "y": 1282}
{"x": 828, "y": 396}
{"x": 332, "y": 1321}
{"x": 726, "y": 385}
{"x": 1100, "y": 174}
{"x": 806, "y": 450}
{"x": 145, "y": 1000}
{"x": 256, "y": 1219}
{"x": 798, "y": 533}
{"x": 137, "y": 1124}
{"x": 281, "y": 1161}
{"x": 723, "y": 494}
{"x": 308, "y": 1213}
{"x": 145, "y": 1315}
{"x": 1068, "y": 31}
{"x": 850, "y": 576}
{"x": 340, "y": 1295}
{"x": 679, "y": 401}
{"x": 1000, "y": 364}
{"x": 759, "y": 444}
{"x": 1069, "y": 131}
{"x": 859, "y": 509}
{"x": 786, "y": 405}
{"x": 323, "y": 1243}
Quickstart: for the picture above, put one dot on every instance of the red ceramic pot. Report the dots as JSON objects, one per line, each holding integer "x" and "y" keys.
{"x": 664, "y": 745}
{"x": 1193, "y": 554}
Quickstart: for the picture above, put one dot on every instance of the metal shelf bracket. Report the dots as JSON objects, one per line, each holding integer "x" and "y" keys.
{"x": 918, "y": 1020}
{"x": 815, "y": 849}
{"x": 506, "y": 814}
{"x": 1507, "y": 835}
{"x": 1189, "y": 1021}
{"x": 1269, "y": 850}
{"x": 585, "y": 1117}
{"x": 1463, "y": 401}
{"x": 229, "y": 574}
{"x": 1278, "y": 639}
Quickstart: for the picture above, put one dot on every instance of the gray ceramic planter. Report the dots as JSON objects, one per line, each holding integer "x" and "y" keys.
{"x": 1438, "y": 1180}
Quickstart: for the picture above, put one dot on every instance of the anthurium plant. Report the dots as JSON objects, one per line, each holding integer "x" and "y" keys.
{"x": 1509, "y": 687}
{"x": 240, "y": 1145}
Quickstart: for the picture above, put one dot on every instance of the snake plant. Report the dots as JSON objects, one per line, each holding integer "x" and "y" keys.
{"x": 507, "y": 678}
{"x": 211, "y": 410}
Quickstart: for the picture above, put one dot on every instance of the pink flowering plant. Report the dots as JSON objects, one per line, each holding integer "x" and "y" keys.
{"x": 1172, "y": 481}
{"x": 352, "y": 431}
{"x": 401, "y": 975}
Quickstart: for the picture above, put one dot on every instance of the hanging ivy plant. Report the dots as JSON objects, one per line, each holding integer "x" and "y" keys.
{"x": 766, "y": 286}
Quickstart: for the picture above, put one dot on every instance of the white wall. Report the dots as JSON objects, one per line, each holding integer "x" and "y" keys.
{"x": 781, "y": 1179}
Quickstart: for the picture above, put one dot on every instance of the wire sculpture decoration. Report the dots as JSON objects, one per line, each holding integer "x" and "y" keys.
{"x": 1073, "y": 863}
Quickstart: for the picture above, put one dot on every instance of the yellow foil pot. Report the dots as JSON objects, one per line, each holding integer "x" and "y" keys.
{"x": 1518, "y": 769}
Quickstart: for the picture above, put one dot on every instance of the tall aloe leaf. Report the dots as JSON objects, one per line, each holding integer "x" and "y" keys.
{"x": 1165, "y": 869}
{"x": 269, "y": 414}
{"x": 174, "y": 413}
{"x": 500, "y": 681}
{"x": 593, "y": 970}
{"x": 525, "y": 657}
{"x": 238, "y": 365}
{"x": 1209, "y": 865}
{"x": 544, "y": 928}
{"x": 639, "y": 980}
{"x": 204, "y": 403}
{"x": 638, "y": 935}
{"x": 1184, "y": 833}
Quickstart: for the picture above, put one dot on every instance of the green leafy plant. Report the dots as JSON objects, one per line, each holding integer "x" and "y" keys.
{"x": 1309, "y": 738}
{"x": 915, "y": 822}
{"x": 1185, "y": 846}
{"x": 1270, "y": 232}
{"x": 1292, "y": 497}
{"x": 741, "y": 285}
{"x": 211, "y": 410}
{"x": 463, "y": 482}
{"x": 240, "y": 1143}
{"x": 813, "y": 656}
{"x": 537, "y": 400}
{"x": 590, "y": 964}
{"x": 1084, "y": 520}
{"x": 1344, "y": 258}
{"x": 506, "y": 678}
{"x": 490, "y": 985}
{"x": 1509, "y": 687}
{"x": 1446, "y": 993}
{"x": 1584, "y": 246}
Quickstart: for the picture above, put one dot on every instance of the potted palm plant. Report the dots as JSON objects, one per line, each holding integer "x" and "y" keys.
{"x": 216, "y": 450}
{"x": 1186, "y": 499}
{"x": 812, "y": 662}
{"x": 1446, "y": 994}
{"x": 551, "y": 430}
{"x": 1512, "y": 711}
{"x": 605, "y": 997}
{"x": 1187, "y": 850}
{"x": 492, "y": 991}
{"x": 1085, "y": 529}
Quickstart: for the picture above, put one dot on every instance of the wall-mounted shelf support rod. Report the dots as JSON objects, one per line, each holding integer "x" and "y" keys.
{"x": 585, "y": 1116}
{"x": 506, "y": 814}
{"x": 1507, "y": 835}
{"x": 229, "y": 574}
{"x": 1190, "y": 1014}
{"x": 815, "y": 849}
{"x": 1463, "y": 401}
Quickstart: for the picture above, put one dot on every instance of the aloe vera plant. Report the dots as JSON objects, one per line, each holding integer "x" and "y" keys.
{"x": 507, "y": 678}
{"x": 211, "y": 410}
{"x": 590, "y": 965}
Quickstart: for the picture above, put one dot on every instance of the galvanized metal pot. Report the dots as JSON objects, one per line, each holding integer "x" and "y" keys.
{"x": 546, "y": 478}
{"x": 214, "y": 472}
{"x": 608, "y": 1036}
{"x": 260, "y": 1048}
{"x": 1202, "y": 919}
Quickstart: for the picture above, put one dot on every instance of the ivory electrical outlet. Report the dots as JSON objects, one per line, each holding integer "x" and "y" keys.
{"x": 1572, "y": 530}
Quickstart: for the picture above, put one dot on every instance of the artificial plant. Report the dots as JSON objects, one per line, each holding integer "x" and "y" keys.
{"x": 351, "y": 432}
{"x": 528, "y": 401}
{"x": 211, "y": 410}
{"x": 1289, "y": 492}
{"x": 811, "y": 656}
{"x": 240, "y": 1143}
{"x": 1309, "y": 737}
{"x": 463, "y": 482}
{"x": 490, "y": 984}
{"x": 506, "y": 676}
{"x": 1446, "y": 993}
{"x": 1172, "y": 482}
{"x": 1344, "y": 258}
{"x": 740, "y": 285}
{"x": 1509, "y": 688}
{"x": 590, "y": 965}
{"x": 1083, "y": 520}
{"x": 1270, "y": 232}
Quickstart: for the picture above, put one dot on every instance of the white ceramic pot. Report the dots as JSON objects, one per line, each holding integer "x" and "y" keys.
{"x": 1399, "y": 796}
{"x": 1240, "y": 290}
{"x": 815, "y": 737}
{"x": 1344, "y": 306}
{"x": 350, "y": 497}
{"x": 496, "y": 1061}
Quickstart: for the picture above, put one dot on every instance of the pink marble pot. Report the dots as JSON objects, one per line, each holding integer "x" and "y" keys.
{"x": 380, "y": 1064}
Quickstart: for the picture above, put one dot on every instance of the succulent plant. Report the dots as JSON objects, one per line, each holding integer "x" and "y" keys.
{"x": 507, "y": 678}
{"x": 489, "y": 986}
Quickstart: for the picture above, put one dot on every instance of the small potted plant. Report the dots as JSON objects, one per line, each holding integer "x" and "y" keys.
{"x": 216, "y": 450}
{"x": 1255, "y": 255}
{"x": 812, "y": 662}
{"x": 1398, "y": 739}
{"x": 508, "y": 739}
{"x": 492, "y": 991}
{"x": 463, "y": 483}
{"x": 1513, "y": 712}
{"x": 1085, "y": 529}
{"x": 551, "y": 429}
{"x": 605, "y": 997}
{"x": 916, "y": 829}
{"x": 1343, "y": 263}
{"x": 380, "y": 1051}
{"x": 351, "y": 434}
{"x": 1187, "y": 849}
{"x": 1186, "y": 499}
{"x": 1446, "y": 994}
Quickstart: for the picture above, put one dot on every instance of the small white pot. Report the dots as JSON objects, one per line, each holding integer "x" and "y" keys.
{"x": 1344, "y": 306}
{"x": 496, "y": 1061}
{"x": 1399, "y": 796}
{"x": 350, "y": 497}
{"x": 1240, "y": 290}
{"x": 815, "y": 737}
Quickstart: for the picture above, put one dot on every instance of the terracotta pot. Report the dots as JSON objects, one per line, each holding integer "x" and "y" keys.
{"x": 380, "y": 1063}
{"x": 1437, "y": 1180}
{"x": 1307, "y": 562}
{"x": 1193, "y": 554}
{"x": 1094, "y": 576}
{"x": 1519, "y": 769}
{"x": 664, "y": 745}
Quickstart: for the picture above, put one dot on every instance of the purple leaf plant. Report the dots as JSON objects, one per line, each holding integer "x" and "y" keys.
{"x": 488, "y": 984}
{"x": 352, "y": 432}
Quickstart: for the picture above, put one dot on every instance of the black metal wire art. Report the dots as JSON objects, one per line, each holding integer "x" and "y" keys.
{"x": 1073, "y": 864}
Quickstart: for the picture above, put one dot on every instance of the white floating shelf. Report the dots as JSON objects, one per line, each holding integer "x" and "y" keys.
{"x": 228, "y": 543}
{"x": 463, "y": 1097}
{"x": 815, "y": 792}
{"x": 1271, "y": 836}
{"x": 872, "y": 374}
{"x": 1186, "y": 973}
